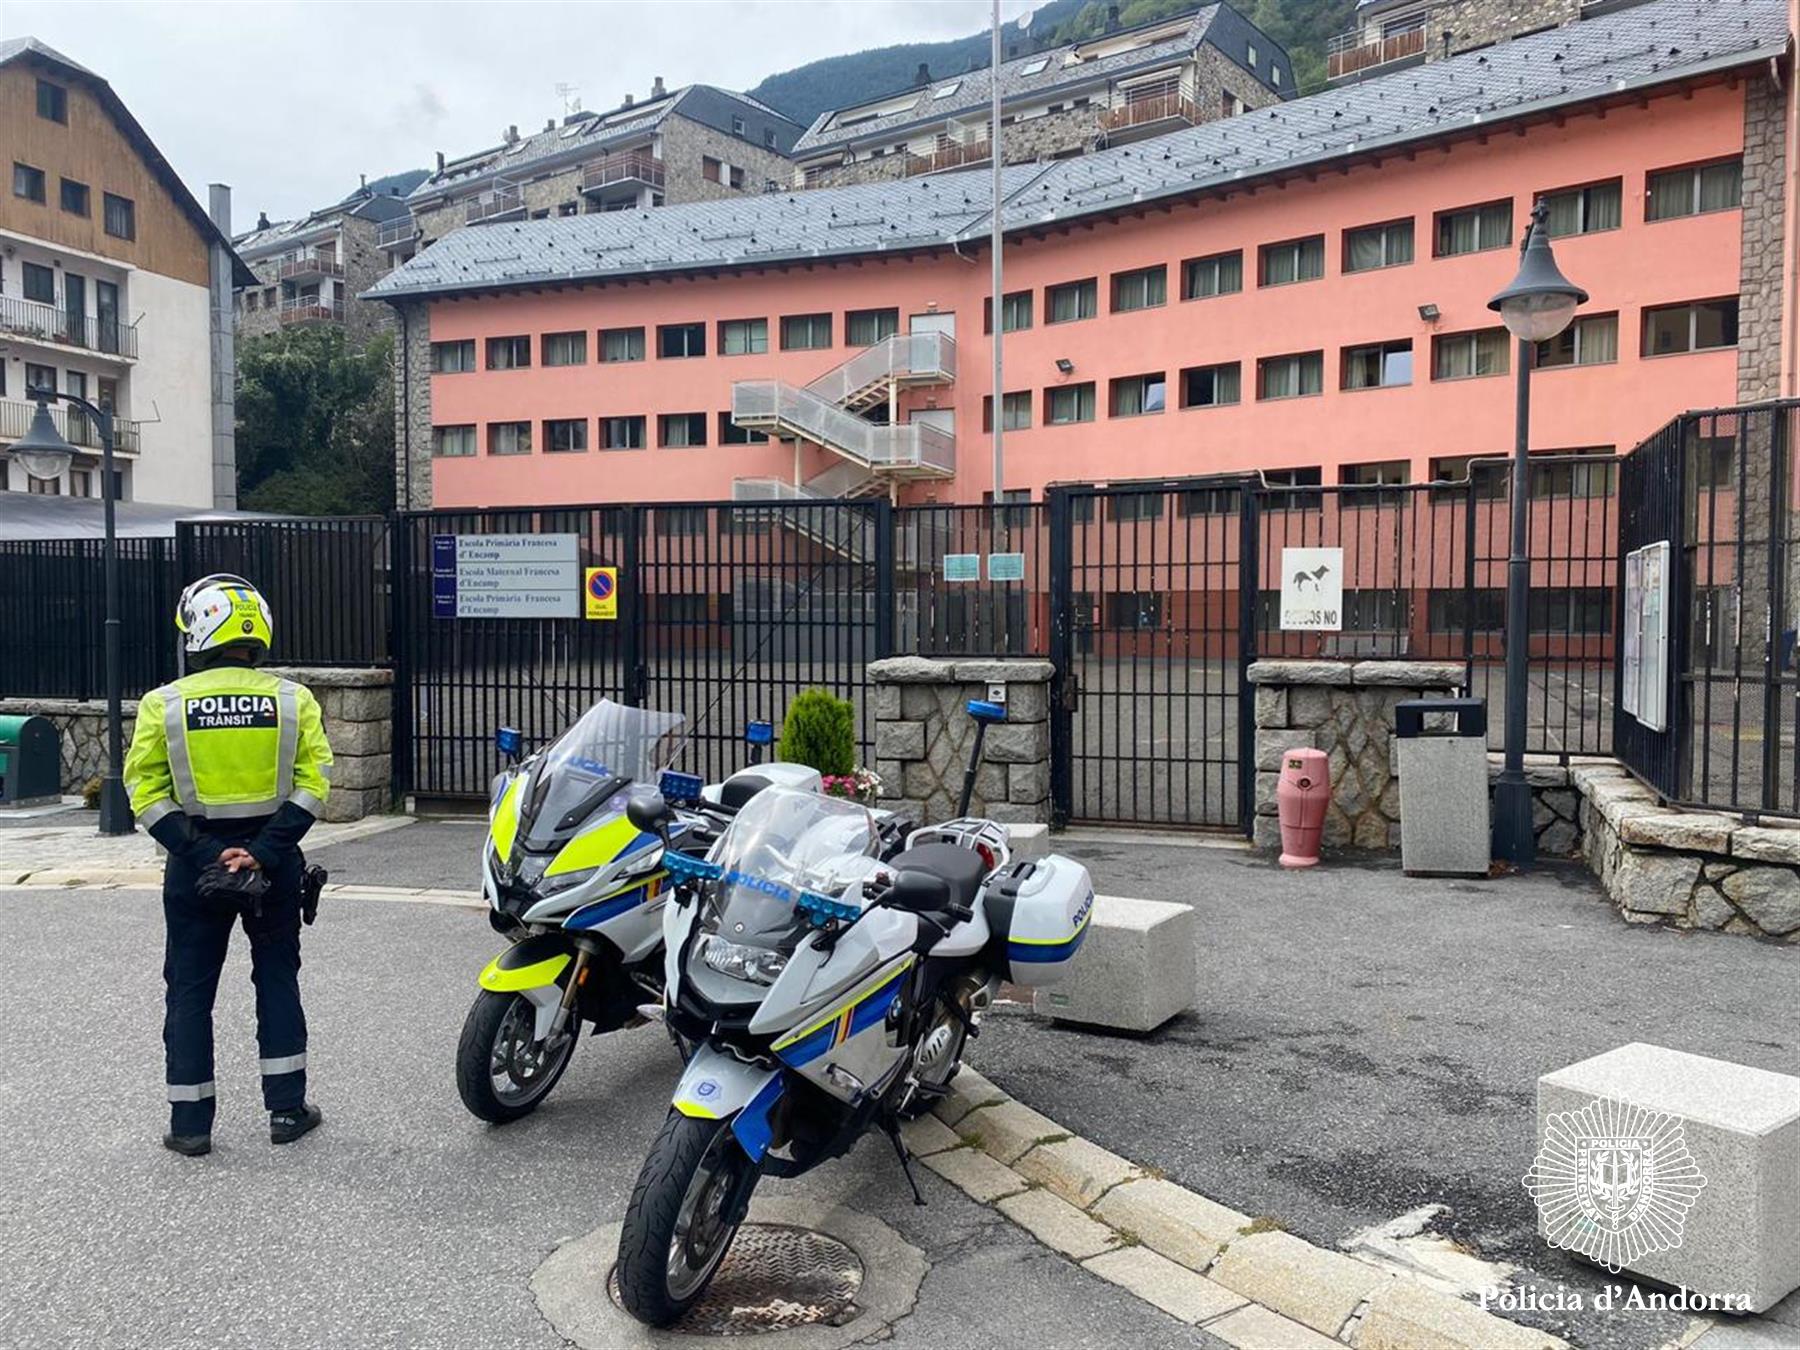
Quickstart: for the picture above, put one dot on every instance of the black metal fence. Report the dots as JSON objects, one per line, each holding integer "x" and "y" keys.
{"x": 52, "y": 611}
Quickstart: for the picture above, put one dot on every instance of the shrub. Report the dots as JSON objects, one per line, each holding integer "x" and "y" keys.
{"x": 90, "y": 794}
{"x": 820, "y": 731}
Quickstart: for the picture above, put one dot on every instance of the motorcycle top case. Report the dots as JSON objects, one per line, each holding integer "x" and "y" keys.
{"x": 1038, "y": 914}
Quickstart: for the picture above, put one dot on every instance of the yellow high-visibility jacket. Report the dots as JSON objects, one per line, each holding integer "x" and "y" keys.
{"x": 227, "y": 744}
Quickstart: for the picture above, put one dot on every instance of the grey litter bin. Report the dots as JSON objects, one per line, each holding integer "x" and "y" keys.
{"x": 1443, "y": 788}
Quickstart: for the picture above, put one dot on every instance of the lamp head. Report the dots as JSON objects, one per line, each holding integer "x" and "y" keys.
{"x": 1541, "y": 301}
{"x": 42, "y": 451}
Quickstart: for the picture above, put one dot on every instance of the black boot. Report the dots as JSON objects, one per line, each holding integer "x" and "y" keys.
{"x": 287, "y": 1126}
{"x": 188, "y": 1145}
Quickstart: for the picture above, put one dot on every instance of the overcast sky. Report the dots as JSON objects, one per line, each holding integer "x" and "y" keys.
{"x": 289, "y": 102}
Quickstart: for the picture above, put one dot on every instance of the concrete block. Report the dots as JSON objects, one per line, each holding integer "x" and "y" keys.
{"x": 1136, "y": 969}
{"x": 926, "y": 1135}
{"x": 975, "y": 1174}
{"x": 1273, "y": 743}
{"x": 1444, "y": 805}
{"x": 1028, "y": 842}
{"x": 1299, "y": 672}
{"x": 1271, "y": 707}
{"x": 969, "y": 1091}
{"x": 1256, "y": 1328}
{"x": 1172, "y": 1220}
{"x": 1175, "y": 1289}
{"x": 1315, "y": 1287}
{"x": 900, "y": 740}
{"x": 1766, "y": 843}
{"x": 1009, "y": 1130}
{"x": 1057, "y": 1224}
{"x": 362, "y": 771}
{"x": 1408, "y": 1316}
{"x": 1738, "y": 1183}
{"x": 1703, "y": 831}
{"x": 1077, "y": 1170}
{"x": 1408, "y": 674}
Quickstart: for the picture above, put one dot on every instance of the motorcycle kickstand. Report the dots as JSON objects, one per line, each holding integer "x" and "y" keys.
{"x": 893, "y": 1133}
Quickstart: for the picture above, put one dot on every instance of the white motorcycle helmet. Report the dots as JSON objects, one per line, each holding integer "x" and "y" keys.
{"x": 221, "y": 611}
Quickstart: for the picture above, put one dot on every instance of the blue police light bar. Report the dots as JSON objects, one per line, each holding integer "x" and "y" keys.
{"x": 823, "y": 907}
{"x": 679, "y": 787}
{"x": 509, "y": 741}
{"x": 983, "y": 711}
{"x": 760, "y": 733}
{"x": 698, "y": 869}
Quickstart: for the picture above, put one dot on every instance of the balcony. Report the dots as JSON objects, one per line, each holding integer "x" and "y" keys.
{"x": 309, "y": 267}
{"x": 36, "y": 321}
{"x": 502, "y": 202}
{"x": 1149, "y": 113}
{"x": 311, "y": 311}
{"x": 949, "y": 154}
{"x": 1351, "y": 54}
{"x": 75, "y": 426}
{"x": 398, "y": 233}
{"x": 627, "y": 168}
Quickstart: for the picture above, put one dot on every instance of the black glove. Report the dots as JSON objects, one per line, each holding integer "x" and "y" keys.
{"x": 244, "y": 888}
{"x": 312, "y": 884}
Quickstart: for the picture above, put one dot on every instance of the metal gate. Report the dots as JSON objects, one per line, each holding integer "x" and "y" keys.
{"x": 1151, "y": 618}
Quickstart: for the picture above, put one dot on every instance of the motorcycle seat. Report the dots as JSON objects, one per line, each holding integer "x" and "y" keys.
{"x": 740, "y": 788}
{"x": 962, "y": 868}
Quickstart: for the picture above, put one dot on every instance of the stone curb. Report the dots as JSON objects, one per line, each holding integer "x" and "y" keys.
{"x": 1201, "y": 1262}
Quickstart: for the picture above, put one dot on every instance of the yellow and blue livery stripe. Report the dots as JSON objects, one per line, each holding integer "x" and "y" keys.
{"x": 864, "y": 1009}
{"x": 609, "y": 907}
{"x": 1047, "y": 951}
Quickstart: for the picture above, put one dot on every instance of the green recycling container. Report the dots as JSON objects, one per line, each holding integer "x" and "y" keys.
{"x": 30, "y": 761}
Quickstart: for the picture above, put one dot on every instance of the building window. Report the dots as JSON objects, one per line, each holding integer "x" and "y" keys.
{"x": 805, "y": 332}
{"x": 509, "y": 438}
{"x": 1069, "y": 403}
{"x": 678, "y": 340}
{"x": 1572, "y": 477}
{"x": 738, "y": 178}
{"x": 1695, "y": 191}
{"x": 565, "y": 435}
{"x": 1295, "y": 478}
{"x": 52, "y": 102}
{"x": 1470, "y": 229}
{"x": 737, "y": 126}
{"x": 1592, "y": 340}
{"x": 1697, "y": 327}
{"x": 453, "y": 442}
{"x": 1216, "y": 501}
{"x": 1295, "y": 260}
{"x": 678, "y": 431}
{"x": 43, "y": 487}
{"x": 1462, "y": 473}
{"x": 1133, "y": 610}
{"x": 1296, "y": 376}
{"x": 1129, "y": 506}
{"x": 730, "y": 433}
{"x": 743, "y": 337}
{"x": 76, "y": 199}
{"x": 1469, "y": 356}
{"x": 121, "y": 216}
{"x": 622, "y": 433}
{"x": 1015, "y": 312}
{"x": 1387, "y": 473}
{"x": 453, "y": 358}
{"x": 866, "y": 327}
{"x": 509, "y": 353}
{"x": 1583, "y": 210}
{"x": 1145, "y": 288}
{"x": 1220, "y": 274}
{"x": 1073, "y": 300}
{"x": 565, "y": 349}
{"x": 28, "y": 182}
{"x": 621, "y": 344}
{"x": 1015, "y": 412}
{"x": 769, "y": 137}
{"x": 1378, "y": 246}
{"x": 1379, "y": 365}
{"x": 39, "y": 283}
{"x": 1231, "y": 105}
{"x": 1211, "y": 386}
{"x": 1138, "y": 395}
{"x": 710, "y": 169}
{"x": 681, "y": 520}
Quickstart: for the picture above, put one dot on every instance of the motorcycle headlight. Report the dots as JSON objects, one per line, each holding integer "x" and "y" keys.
{"x": 567, "y": 881}
{"x": 757, "y": 964}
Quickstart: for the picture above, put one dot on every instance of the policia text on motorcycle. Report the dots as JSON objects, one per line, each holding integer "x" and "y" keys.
{"x": 228, "y": 770}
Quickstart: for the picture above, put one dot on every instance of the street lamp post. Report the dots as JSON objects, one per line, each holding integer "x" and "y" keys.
{"x": 43, "y": 452}
{"x": 1538, "y": 305}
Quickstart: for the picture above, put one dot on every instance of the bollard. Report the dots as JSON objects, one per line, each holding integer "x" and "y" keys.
{"x": 1301, "y": 797}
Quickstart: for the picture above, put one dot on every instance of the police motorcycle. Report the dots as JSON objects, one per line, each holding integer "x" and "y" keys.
{"x": 827, "y": 991}
{"x": 578, "y": 889}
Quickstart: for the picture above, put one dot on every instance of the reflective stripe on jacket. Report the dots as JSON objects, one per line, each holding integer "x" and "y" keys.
{"x": 227, "y": 743}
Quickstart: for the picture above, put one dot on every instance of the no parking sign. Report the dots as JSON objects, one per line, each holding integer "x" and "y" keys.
{"x": 600, "y": 592}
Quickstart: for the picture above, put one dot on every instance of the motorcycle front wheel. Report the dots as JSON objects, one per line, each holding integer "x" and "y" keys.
{"x": 685, "y": 1210}
{"x": 502, "y": 1072}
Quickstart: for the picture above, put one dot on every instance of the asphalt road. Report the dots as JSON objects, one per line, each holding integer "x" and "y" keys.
{"x": 403, "y": 1221}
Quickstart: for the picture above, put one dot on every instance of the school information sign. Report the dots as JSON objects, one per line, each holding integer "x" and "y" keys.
{"x": 506, "y": 576}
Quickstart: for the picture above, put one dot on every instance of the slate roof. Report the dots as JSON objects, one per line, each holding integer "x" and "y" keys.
{"x": 380, "y": 201}
{"x": 1648, "y": 45}
{"x": 973, "y": 93}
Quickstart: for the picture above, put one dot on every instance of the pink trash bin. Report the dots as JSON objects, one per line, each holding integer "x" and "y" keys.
{"x": 1301, "y": 798}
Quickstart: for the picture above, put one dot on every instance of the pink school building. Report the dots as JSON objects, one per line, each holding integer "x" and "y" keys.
{"x": 1301, "y": 290}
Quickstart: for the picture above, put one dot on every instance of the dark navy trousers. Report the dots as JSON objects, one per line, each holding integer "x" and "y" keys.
{"x": 198, "y": 934}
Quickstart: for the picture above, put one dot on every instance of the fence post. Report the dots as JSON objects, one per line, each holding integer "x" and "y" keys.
{"x": 400, "y": 581}
{"x": 885, "y": 524}
{"x": 1249, "y": 578}
{"x": 1779, "y": 449}
{"x": 1064, "y": 687}
{"x": 1469, "y": 586}
{"x": 631, "y": 597}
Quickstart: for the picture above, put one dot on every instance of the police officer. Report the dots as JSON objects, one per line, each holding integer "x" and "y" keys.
{"x": 227, "y": 770}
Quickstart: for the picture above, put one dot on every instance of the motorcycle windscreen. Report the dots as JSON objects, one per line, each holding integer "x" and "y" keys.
{"x": 593, "y": 762}
{"x": 782, "y": 843}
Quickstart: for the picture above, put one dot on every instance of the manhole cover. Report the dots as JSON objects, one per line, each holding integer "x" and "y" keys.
{"x": 774, "y": 1278}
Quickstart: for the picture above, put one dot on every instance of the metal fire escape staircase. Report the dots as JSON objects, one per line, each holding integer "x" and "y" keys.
{"x": 827, "y": 413}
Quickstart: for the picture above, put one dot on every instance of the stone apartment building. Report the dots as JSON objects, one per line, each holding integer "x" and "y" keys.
{"x": 312, "y": 270}
{"x": 1390, "y": 35}
{"x": 1124, "y": 85}
{"x": 695, "y": 143}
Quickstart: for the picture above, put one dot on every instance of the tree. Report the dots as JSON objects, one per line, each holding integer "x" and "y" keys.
{"x": 315, "y": 423}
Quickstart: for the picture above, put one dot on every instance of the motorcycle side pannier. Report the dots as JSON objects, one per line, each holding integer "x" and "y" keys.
{"x": 1038, "y": 913}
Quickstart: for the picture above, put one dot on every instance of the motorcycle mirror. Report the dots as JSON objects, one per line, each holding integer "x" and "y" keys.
{"x": 510, "y": 741}
{"x": 648, "y": 810}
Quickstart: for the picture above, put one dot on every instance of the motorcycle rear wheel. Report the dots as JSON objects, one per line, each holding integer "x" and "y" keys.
{"x": 685, "y": 1210}
{"x": 502, "y": 1074}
